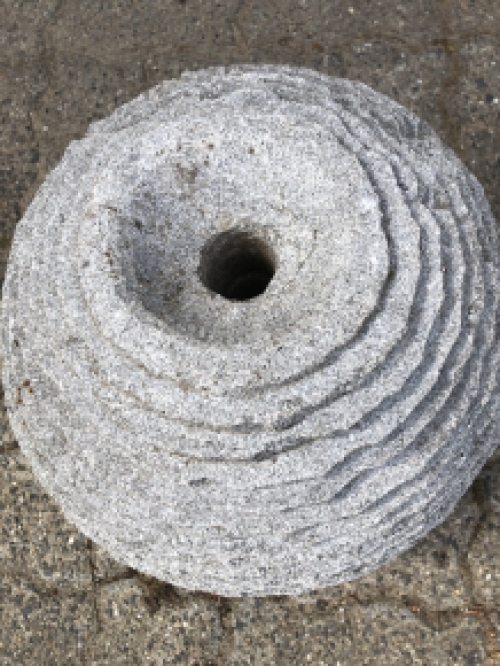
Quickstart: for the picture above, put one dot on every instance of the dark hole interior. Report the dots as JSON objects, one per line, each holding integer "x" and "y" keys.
{"x": 237, "y": 265}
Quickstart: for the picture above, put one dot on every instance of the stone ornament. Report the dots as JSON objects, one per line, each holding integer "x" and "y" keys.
{"x": 250, "y": 331}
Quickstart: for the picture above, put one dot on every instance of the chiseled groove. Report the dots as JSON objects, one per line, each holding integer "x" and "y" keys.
{"x": 395, "y": 129}
{"x": 364, "y": 328}
{"x": 442, "y": 382}
{"x": 441, "y": 494}
{"x": 427, "y": 194}
{"x": 481, "y": 425}
{"x": 438, "y": 461}
{"x": 491, "y": 245}
{"x": 415, "y": 377}
{"x": 445, "y": 411}
{"x": 384, "y": 523}
{"x": 443, "y": 491}
{"x": 398, "y": 350}
{"x": 336, "y": 353}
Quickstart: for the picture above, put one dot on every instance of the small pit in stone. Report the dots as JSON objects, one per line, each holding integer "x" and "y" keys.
{"x": 237, "y": 265}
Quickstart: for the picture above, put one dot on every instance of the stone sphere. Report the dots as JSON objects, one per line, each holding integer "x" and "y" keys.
{"x": 250, "y": 331}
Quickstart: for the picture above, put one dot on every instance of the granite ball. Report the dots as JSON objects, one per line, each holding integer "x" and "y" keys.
{"x": 250, "y": 331}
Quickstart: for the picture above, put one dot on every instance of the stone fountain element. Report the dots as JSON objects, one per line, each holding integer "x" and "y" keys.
{"x": 250, "y": 331}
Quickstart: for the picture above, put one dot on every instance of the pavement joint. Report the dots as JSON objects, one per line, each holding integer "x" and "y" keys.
{"x": 480, "y": 497}
{"x": 96, "y": 613}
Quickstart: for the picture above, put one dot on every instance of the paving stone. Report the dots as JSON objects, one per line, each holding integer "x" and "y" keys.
{"x": 338, "y": 22}
{"x": 268, "y": 631}
{"x": 82, "y": 90}
{"x": 177, "y": 40}
{"x": 389, "y": 635}
{"x": 494, "y": 638}
{"x": 414, "y": 79}
{"x": 38, "y": 628}
{"x": 493, "y": 462}
{"x": 472, "y": 17}
{"x": 22, "y": 27}
{"x": 188, "y": 632}
{"x": 35, "y": 536}
{"x": 331, "y": 596}
{"x": 186, "y": 37}
{"x": 18, "y": 166}
{"x": 143, "y": 27}
{"x": 477, "y": 113}
{"x": 493, "y": 472}
{"x": 16, "y": 133}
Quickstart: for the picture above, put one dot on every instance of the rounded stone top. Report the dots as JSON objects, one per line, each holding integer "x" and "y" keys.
{"x": 250, "y": 331}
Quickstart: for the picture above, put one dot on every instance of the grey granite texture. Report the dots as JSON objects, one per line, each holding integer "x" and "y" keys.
{"x": 250, "y": 331}
{"x": 65, "y": 63}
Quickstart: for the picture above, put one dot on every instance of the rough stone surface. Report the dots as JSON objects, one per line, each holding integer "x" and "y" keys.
{"x": 131, "y": 633}
{"x": 41, "y": 628}
{"x": 407, "y": 642}
{"x": 35, "y": 538}
{"x": 283, "y": 443}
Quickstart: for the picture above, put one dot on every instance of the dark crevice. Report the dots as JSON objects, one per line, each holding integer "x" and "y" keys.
{"x": 116, "y": 578}
{"x": 93, "y": 571}
{"x": 9, "y": 447}
{"x": 226, "y": 646}
{"x": 156, "y": 593}
{"x": 481, "y": 498}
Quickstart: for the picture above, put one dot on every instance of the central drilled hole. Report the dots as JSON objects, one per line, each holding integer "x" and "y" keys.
{"x": 236, "y": 265}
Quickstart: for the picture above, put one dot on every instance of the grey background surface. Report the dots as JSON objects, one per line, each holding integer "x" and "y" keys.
{"x": 62, "y": 599}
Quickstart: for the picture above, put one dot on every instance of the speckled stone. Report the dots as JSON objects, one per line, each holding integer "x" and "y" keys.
{"x": 41, "y": 628}
{"x": 272, "y": 443}
{"x": 405, "y": 641}
{"x": 189, "y": 633}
